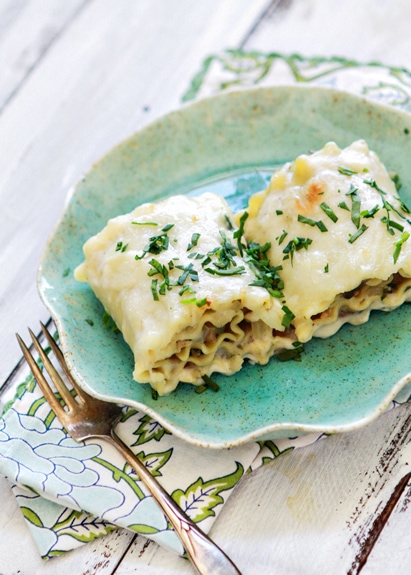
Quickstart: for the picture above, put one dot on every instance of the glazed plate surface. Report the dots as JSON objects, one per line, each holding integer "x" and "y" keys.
{"x": 230, "y": 144}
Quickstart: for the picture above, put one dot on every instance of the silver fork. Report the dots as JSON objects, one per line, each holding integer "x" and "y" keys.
{"x": 85, "y": 417}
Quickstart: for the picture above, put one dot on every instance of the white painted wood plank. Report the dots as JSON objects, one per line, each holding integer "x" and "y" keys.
{"x": 365, "y": 31}
{"x": 27, "y": 31}
{"x": 115, "y": 68}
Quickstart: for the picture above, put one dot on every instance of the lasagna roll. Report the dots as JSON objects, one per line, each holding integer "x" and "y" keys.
{"x": 174, "y": 278}
{"x": 340, "y": 231}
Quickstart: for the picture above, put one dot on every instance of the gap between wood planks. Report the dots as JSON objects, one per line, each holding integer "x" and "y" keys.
{"x": 366, "y": 541}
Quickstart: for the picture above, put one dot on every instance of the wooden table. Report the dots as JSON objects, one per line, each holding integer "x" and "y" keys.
{"x": 77, "y": 77}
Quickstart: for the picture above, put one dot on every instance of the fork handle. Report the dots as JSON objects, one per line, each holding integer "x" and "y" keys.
{"x": 205, "y": 555}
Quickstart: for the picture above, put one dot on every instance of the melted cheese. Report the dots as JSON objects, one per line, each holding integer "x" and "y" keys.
{"x": 325, "y": 260}
{"x": 213, "y": 326}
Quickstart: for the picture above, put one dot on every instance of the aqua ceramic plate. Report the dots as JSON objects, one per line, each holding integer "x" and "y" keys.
{"x": 230, "y": 144}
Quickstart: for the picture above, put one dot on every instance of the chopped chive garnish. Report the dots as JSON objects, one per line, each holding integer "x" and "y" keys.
{"x": 229, "y": 222}
{"x": 145, "y": 223}
{"x": 291, "y": 354}
{"x": 318, "y": 223}
{"x": 346, "y": 171}
{"x": 200, "y": 388}
{"x": 154, "y": 283}
{"x": 287, "y": 317}
{"x": 370, "y": 213}
{"x": 239, "y": 233}
{"x": 194, "y": 241}
{"x": 328, "y": 211}
{"x": 167, "y": 227}
{"x": 392, "y": 224}
{"x": 398, "y": 245}
{"x": 210, "y": 383}
{"x": 295, "y": 245}
{"x": 358, "y": 233}
{"x": 282, "y": 237}
{"x": 120, "y": 247}
{"x": 201, "y": 302}
{"x": 355, "y": 207}
{"x": 226, "y": 272}
{"x": 343, "y": 206}
{"x": 326, "y": 269}
{"x": 186, "y": 289}
{"x": 279, "y": 212}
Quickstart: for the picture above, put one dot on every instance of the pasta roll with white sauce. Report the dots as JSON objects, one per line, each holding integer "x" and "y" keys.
{"x": 341, "y": 233}
{"x": 180, "y": 289}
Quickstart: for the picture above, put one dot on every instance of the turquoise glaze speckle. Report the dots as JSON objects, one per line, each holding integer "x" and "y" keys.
{"x": 230, "y": 144}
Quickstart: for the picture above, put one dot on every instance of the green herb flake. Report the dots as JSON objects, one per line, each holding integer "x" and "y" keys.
{"x": 295, "y": 245}
{"x": 282, "y": 237}
{"x": 186, "y": 289}
{"x": 355, "y": 207}
{"x": 239, "y": 233}
{"x": 120, "y": 247}
{"x": 154, "y": 394}
{"x": 188, "y": 300}
{"x": 287, "y": 317}
{"x": 358, "y": 233}
{"x": 318, "y": 223}
{"x": 291, "y": 354}
{"x": 329, "y": 212}
{"x": 194, "y": 241}
{"x": 398, "y": 245}
{"x": 343, "y": 206}
{"x": 345, "y": 171}
{"x": 154, "y": 283}
{"x": 145, "y": 223}
{"x": 210, "y": 383}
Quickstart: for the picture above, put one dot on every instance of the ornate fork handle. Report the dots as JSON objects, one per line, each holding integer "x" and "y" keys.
{"x": 92, "y": 417}
{"x": 205, "y": 555}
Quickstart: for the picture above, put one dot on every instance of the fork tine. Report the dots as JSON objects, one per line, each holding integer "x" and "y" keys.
{"x": 41, "y": 380}
{"x": 53, "y": 373}
{"x": 60, "y": 358}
